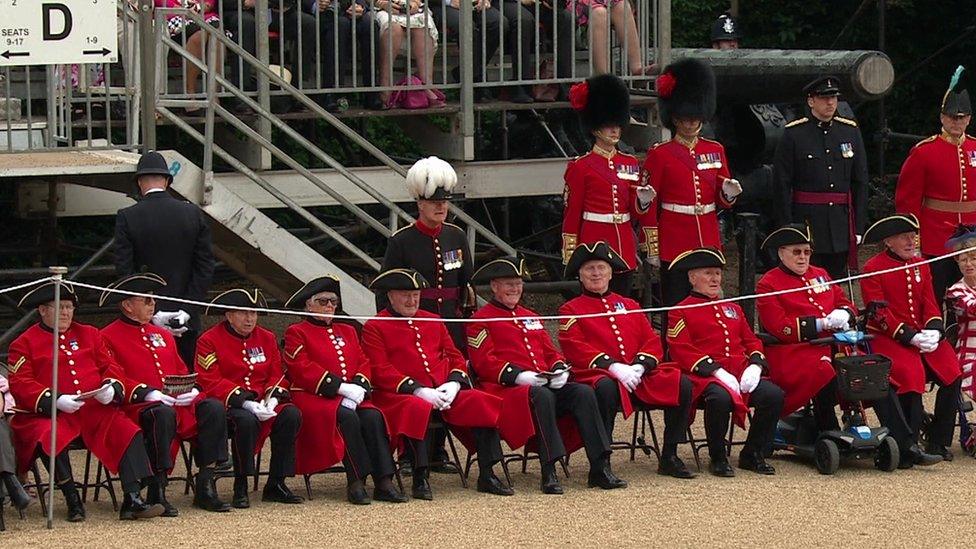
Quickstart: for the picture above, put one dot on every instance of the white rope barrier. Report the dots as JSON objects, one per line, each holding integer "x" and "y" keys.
{"x": 25, "y": 285}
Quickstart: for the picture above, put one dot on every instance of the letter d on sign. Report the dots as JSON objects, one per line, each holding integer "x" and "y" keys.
{"x": 46, "y": 10}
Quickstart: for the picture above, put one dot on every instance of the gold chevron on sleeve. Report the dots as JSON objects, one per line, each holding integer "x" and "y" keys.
{"x": 676, "y": 329}
{"x": 567, "y": 325}
{"x": 477, "y": 340}
{"x": 294, "y": 353}
{"x": 206, "y": 361}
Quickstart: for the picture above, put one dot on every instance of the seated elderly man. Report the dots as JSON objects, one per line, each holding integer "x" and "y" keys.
{"x": 909, "y": 332}
{"x": 416, "y": 362}
{"x": 9, "y": 483}
{"x": 619, "y": 355}
{"x": 715, "y": 345}
{"x": 514, "y": 359}
{"x": 89, "y": 391}
{"x": 147, "y": 355}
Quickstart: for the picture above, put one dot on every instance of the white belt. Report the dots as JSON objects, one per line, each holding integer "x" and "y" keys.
{"x": 696, "y": 209}
{"x": 615, "y": 218}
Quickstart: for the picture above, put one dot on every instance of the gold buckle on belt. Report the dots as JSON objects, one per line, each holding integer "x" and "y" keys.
{"x": 618, "y": 217}
{"x": 699, "y": 209}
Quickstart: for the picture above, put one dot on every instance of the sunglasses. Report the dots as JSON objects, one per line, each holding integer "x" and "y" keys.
{"x": 323, "y": 301}
{"x": 801, "y": 252}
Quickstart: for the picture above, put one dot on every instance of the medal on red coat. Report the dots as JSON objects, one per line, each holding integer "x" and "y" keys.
{"x": 918, "y": 275}
{"x": 157, "y": 340}
{"x": 338, "y": 341}
{"x": 708, "y": 161}
{"x": 730, "y": 312}
{"x": 533, "y": 324}
{"x": 628, "y": 172}
{"x": 452, "y": 259}
{"x": 847, "y": 150}
{"x": 256, "y": 355}
{"x": 972, "y": 159}
{"x": 73, "y": 344}
{"x": 619, "y": 306}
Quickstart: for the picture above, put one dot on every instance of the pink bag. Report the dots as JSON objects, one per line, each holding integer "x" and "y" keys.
{"x": 413, "y": 99}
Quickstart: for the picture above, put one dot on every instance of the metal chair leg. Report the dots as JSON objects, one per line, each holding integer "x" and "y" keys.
{"x": 257, "y": 471}
{"x": 85, "y": 484}
{"x": 39, "y": 488}
{"x": 188, "y": 463}
{"x": 308, "y": 486}
{"x": 457, "y": 459}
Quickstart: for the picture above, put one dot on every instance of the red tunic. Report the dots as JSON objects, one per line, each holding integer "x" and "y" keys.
{"x": 712, "y": 334}
{"x": 911, "y": 308}
{"x": 320, "y": 357}
{"x": 84, "y": 364}
{"x": 596, "y": 186}
{"x": 499, "y": 350}
{"x": 937, "y": 169}
{"x": 592, "y": 344}
{"x": 406, "y": 355}
{"x": 234, "y": 368}
{"x": 687, "y": 178}
{"x": 800, "y": 369}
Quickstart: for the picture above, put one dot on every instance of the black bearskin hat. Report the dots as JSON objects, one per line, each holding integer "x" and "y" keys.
{"x": 601, "y": 100}
{"x": 686, "y": 89}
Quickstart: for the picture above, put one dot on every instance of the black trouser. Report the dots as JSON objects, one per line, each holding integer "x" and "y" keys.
{"x": 367, "y": 444}
{"x": 824, "y": 403}
{"x": 366, "y": 44}
{"x": 486, "y": 26}
{"x": 675, "y": 417}
{"x": 133, "y": 467}
{"x": 767, "y": 402}
{"x": 8, "y": 459}
{"x": 159, "y": 424}
{"x": 487, "y": 444}
{"x": 945, "y": 273}
{"x": 562, "y": 20}
{"x": 835, "y": 263}
{"x": 244, "y": 427}
{"x": 520, "y": 28}
{"x": 944, "y": 416}
{"x": 622, "y": 283}
{"x": 891, "y": 415}
{"x": 578, "y": 400}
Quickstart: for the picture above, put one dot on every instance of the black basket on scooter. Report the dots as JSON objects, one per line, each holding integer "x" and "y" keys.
{"x": 862, "y": 377}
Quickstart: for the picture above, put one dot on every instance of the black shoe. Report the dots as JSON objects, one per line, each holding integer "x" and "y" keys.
{"x": 443, "y": 462}
{"x": 241, "y": 499}
{"x": 756, "y": 463}
{"x": 490, "y": 484}
{"x": 19, "y": 497}
{"x": 278, "y": 492}
{"x": 673, "y": 466}
{"x": 156, "y": 494}
{"x": 421, "y": 488}
{"x": 205, "y": 496}
{"x": 389, "y": 494}
{"x": 721, "y": 468}
{"x": 517, "y": 94}
{"x": 406, "y": 467}
{"x": 602, "y": 477}
{"x": 76, "y": 509}
{"x": 133, "y": 507}
{"x": 940, "y": 450}
{"x": 550, "y": 482}
{"x": 356, "y": 494}
{"x": 915, "y": 456}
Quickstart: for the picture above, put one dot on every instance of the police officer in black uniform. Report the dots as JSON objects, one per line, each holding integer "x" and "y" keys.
{"x": 725, "y": 33}
{"x": 821, "y": 178}
{"x": 171, "y": 238}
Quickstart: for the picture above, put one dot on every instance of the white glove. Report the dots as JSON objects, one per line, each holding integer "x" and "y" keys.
{"x": 182, "y": 317}
{"x": 158, "y": 396}
{"x": 353, "y": 392}
{"x": 187, "y": 398}
{"x": 271, "y": 403}
{"x": 559, "y": 381}
{"x": 639, "y": 370}
{"x": 105, "y": 394}
{"x": 645, "y": 195}
{"x": 625, "y": 375}
{"x": 933, "y": 335}
{"x": 838, "y": 319}
{"x": 162, "y": 319}
{"x": 530, "y": 379}
{"x": 858, "y": 238}
{"x": 731, "y": 188}
{"x": 750, "y": 378}
{"x": 69, "y": 404}
{"x": 449, "y": 390}
{"x": 436, "y": 399}
{"x": 727, "y": 379}
{"x": 256, "y": 408}
{"x": 924, "y": 342}
{"x": 346, "y": 403}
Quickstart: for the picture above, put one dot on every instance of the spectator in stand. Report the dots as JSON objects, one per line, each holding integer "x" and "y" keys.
{"x": 487, "y": 26}
{"x": 182, "y": 29}
{"x": 598, "y": 15}
{"x": 395, "y": 17}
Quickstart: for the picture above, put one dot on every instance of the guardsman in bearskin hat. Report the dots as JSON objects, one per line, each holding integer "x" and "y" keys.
{"x": 820, "y": 174}
{"x": 148, "y": 356}
{"x": 90, "y": 388}
{"x": 725, "y": 33}
{"x": 330, "y": 379}
{"x": 909, "y": 331}
{"x": 238, "y": 362}
{"x": 715, "y": 345}
{"x": 620, "y": 355}
{"x": 515, "y": 359}
{"x": 690, "y": 173}
{"x": 604, "y": 195}
{"x": 934, "y": 183}
{"x": 419, "y": 374}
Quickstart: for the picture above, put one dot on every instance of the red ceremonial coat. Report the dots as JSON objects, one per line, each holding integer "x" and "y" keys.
{"x": 592, "y": 344}
{"x": 501, "y": 349}
{"x": 408, "y": 354}
{"x": 937, "y": 169}
{"x": 234, "y": 369}
{"x": 320, "y": 357}
{"x": 800, "y": 369}
{"x": 687, "y": 177}
{"x": 84, "y": 364}
{"x": 710, "y": 335}
{"x": 911, "y": 308}
{"x": 598, "y": 186}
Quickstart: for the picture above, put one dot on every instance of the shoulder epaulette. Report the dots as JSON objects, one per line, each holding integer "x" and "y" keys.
{"x": 797, "y": 122}
{"x": 626, "y": 154}
{"x": 928, "y": 139}
{"x": 847, "y": 121}
{"x": 401, "y": 229}
{"x": 705, "y": 139}
{"x": 656, "y": 145}
{"x": 453, "y": 225}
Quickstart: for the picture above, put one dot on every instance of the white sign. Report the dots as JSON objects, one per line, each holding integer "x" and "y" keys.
{"x": 50, "y": 32}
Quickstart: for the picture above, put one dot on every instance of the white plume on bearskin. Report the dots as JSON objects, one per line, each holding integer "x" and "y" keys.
{"x": 427, "y": 174}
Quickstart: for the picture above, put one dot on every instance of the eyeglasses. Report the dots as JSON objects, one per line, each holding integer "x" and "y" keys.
{"x": 323, "y": 301}
{"x": 797, "y": 252}
{"x": 65, "y": 306}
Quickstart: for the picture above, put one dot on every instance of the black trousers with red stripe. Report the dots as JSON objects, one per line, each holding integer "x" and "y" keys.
{"x": 367, "y": 444}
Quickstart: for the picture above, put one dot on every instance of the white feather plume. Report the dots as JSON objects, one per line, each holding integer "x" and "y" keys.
{"x": 427, "y": 174}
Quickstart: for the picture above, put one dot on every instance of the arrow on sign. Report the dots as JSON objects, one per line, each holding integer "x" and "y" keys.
{"x": 103, "y": 52}
{"x": 8, "y": 54}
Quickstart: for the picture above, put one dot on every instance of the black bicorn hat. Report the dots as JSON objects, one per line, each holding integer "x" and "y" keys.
{"x": 140, "y": 283}
{"x": 600, "y": 101}
{"x": 153, "y": 163}
{"x": 823, "y": 86}
{"x": 399, "y": 279}
{"x": 44, "y": 293}
{"x": 327, "y": 283}
{"x": 503, "y": 267}
{"x": 699, "y": 258}
{"x": 725, "y": 27}
{"x": 588, "y": 252}
{"x": 890, "y": 226}
{"x": 239, "y": 297}
{"x": 956, "y": 103}
{"x": 686, "y": 89}
{"x": 788, "y": 235}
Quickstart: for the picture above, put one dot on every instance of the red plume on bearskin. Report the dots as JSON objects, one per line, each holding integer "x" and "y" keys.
{"x": 665, "y": 85}
{"x": 602, "y": 100}
{"x": 579, "y": 94}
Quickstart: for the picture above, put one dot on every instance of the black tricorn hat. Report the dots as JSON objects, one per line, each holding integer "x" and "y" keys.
{"x": 45, "y": 294}
{"x": 956, "y": 103}
{"x": 686, "y": 89}
{"x": 327, "y": 283}
{"x": 141, "y": 283}
{"x": 399, "y": 279}
{"x": 600, "y": 101}
{"x": 153, "y": 163}
{"x": 725, "y": 28}
{"x": 589, "y": 252}
{"x": 238, "y": 297}
{"x": 699, "y": 258}
{"x": 503, "y": 267}
{"x": 823, "y": 86}
{"x": 890, "y": 226}
{"x": 788, "y": 235}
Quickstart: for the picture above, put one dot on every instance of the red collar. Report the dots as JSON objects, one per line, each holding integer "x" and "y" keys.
{"x": 432, "y": 232}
